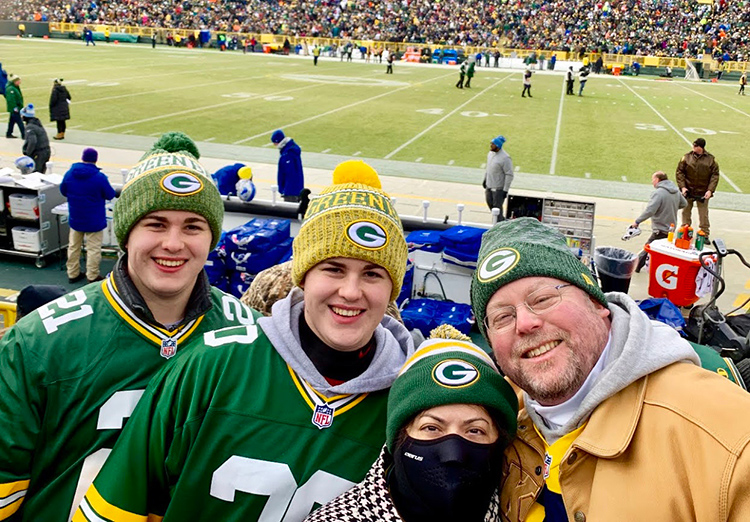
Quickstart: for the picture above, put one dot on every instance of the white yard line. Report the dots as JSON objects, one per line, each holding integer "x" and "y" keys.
{"x": 158, "y": 91}
{"x": 556, "y": 142}
{"x": 201, "y": 109}
{"x": 681, "y": 135}
{"x": 441, "y": 120}
{"x": 716, "y": 101}
{"x": 333, "y": 111}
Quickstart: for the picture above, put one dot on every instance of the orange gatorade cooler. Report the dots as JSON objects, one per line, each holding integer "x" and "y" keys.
{"x": 672, "y": 272}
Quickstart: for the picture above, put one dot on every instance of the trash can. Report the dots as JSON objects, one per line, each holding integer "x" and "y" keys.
{"x": 614, "y": 267}
{"x": 673, "y": 272}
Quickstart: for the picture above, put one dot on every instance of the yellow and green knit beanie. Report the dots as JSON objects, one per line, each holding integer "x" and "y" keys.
{"x": 449, "y": 371}
{"x": 168, "y": 177}
{"x": 524, "y": 247}
{"x": 352, "y": 218}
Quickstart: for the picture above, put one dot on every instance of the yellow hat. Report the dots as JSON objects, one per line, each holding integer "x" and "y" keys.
{"x": 352, "y": 218}
{"x": 245, "y": 173}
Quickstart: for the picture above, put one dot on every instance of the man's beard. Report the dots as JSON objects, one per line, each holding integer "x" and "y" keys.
{"x": 550, "y": 388}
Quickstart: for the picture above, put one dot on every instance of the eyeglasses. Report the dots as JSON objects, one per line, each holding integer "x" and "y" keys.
{"x": 538, "y": 302}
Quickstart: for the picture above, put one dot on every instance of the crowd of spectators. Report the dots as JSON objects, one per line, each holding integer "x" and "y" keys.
{"x": 647, "y": 27}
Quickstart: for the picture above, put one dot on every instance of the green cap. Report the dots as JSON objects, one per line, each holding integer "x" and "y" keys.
{"x": 168, "y": 177}
{"x": 524, "y": 247}
{"x": 449, "y": 371}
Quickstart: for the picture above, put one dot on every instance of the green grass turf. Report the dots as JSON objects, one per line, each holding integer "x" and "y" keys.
{"x": 621, "y": 127}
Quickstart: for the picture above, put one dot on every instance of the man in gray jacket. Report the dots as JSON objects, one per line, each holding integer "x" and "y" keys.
{"x": 662, "y": 208}
{"x": 498, "y": 176}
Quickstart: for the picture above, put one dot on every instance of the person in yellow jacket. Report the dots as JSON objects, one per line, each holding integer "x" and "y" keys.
{"x": 316, "y": 54}
{"x": 619, "y": 421}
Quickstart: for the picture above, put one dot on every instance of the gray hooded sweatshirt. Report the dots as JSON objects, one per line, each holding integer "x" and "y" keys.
{"x": 662, "y": 208}
{"x": 393, "y": 345}
{"x": 637, "y": 347}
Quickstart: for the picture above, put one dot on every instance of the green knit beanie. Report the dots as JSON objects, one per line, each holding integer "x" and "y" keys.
{"x": 448, "y": 371}
{"x": 524, "y": 247}
{"x": 168, "y": 177}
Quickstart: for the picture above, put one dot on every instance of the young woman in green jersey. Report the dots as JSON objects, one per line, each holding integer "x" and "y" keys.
{"x": 450, "y": 414}
{"x": 267, "y": 420}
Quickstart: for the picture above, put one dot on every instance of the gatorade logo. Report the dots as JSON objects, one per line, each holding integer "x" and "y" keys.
{"x": 181, "y": 184}
{"x": 455, "y": 373}
{"x": 497, "y": 263}
{"x": 666, "y": 276}
{"x": 367, "y": 234}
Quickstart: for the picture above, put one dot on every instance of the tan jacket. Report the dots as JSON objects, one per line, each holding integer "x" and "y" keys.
{"x": 697, "y": 173}
{"x": 672, "y": 446}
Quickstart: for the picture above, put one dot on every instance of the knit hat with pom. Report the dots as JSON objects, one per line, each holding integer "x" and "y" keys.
{"x": 449, "y": 371}
{"x": 168, "y": 177}
{"x": 352, "y": 218}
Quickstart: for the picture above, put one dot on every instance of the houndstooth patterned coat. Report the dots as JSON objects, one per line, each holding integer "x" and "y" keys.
{"x": 369, "y": 501}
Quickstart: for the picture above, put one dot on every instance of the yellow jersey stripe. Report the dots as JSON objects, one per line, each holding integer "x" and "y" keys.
{"x": 329, "y": 399}
{"x": 300, "y": 389}
{"x": 105, "y": 510}
{"x": 145, "y": 333}
{"x": 9, "y": 488}
{"x": 180, "y": 336}
{"x": 351, "y": 405}
{"x": 8, "y": 510}
{"x": 11, "y": 497}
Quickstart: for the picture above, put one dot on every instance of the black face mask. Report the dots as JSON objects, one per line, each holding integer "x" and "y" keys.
{"x": 445, "y": 479}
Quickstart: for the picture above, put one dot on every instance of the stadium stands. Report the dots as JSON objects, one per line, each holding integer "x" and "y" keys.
{"x": 645, "y": 27}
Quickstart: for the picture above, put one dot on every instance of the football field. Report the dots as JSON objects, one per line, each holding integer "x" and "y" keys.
{"x": 621, "y": 129}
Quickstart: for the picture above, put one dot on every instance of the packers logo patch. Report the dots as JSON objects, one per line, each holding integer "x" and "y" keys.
{"x": 455, "y": 373}
{"x": 497, "y": 263}
{"x": 181, "y": 184}
{"x": 587, "y": 279}
{"x": 367, "y": 234}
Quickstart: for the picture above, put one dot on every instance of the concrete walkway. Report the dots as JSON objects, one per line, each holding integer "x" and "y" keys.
{"x": 617, "y": 204}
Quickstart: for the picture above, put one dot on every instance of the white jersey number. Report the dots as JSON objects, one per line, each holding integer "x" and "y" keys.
{"x": 112, "y": 416}
{"x": 72, "y": 307}
{"x": 235, "y": 310}
{"x": 286, "y": 502}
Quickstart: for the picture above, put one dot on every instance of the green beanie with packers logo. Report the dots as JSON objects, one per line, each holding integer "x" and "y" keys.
{"x": 168, "y": 177}
{"x": 352, "y": 218}
{"x": 524, "y": 247}
{"x": 449, "y": 371}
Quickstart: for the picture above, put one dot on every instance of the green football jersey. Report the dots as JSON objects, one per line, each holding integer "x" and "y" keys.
{"x": 231, "y": 432}
{"x": 71, "y": 373}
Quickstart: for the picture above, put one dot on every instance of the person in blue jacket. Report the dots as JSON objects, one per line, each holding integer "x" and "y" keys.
{"x": 290, "y": 177}
{"x": 3, "y": 79}
{"x": 226, "y": 179}
{"x": 87, "y": 189}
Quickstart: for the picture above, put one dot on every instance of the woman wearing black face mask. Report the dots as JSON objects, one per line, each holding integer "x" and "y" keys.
{"x": 449, "y": 416}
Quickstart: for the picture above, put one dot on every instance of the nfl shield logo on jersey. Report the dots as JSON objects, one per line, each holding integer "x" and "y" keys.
{"x": 168, "y": 348}
{"x": 322, "y": 416}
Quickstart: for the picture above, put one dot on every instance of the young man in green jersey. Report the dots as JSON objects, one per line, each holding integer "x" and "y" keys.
{"x": 72, "y": 371}
{"x": 266, "y": 421}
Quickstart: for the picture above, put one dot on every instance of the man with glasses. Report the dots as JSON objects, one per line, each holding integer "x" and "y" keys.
{"x": 619, "y": 421}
